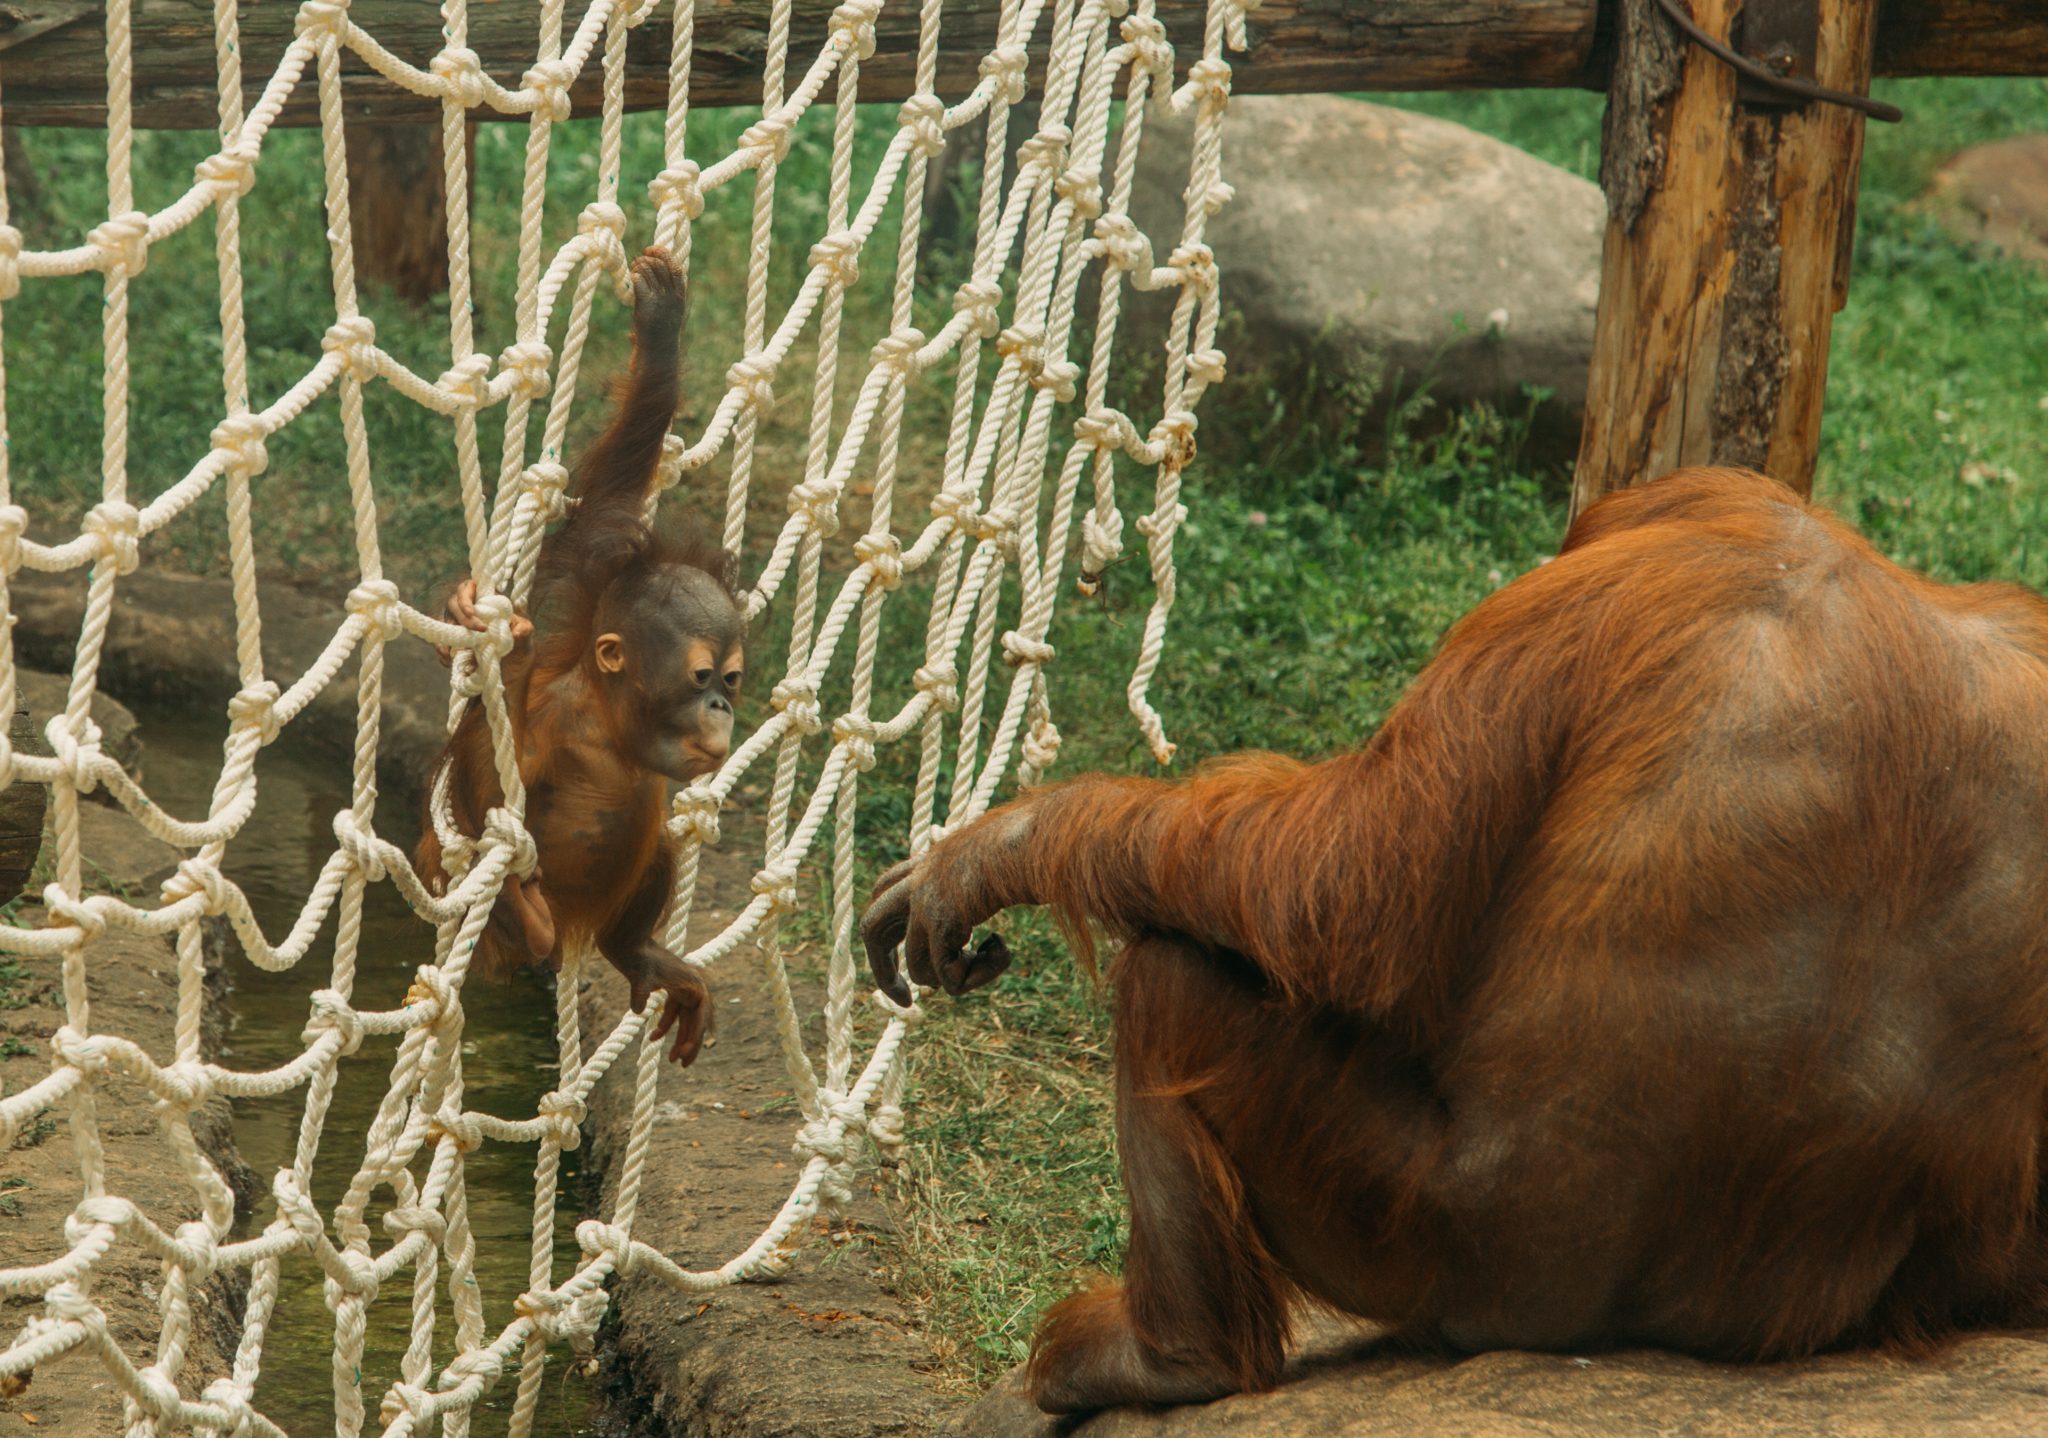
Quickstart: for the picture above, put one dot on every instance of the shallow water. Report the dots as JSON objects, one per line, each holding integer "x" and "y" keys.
{"x": 508, "y": 1063}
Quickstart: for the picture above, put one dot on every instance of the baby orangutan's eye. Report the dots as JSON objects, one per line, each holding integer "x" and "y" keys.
{"x": 732, "y": 680}
{"x": 703, "y": 677}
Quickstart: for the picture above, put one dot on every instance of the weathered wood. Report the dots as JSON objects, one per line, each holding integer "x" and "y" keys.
{"x": 22, "y": 807}
{"x": 398, "y": 211}
{"x": 58, "y": 78}
{"x": 1726, "y": 256}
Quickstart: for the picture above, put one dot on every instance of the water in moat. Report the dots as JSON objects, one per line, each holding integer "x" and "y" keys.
{"x": 508, "y": 1062}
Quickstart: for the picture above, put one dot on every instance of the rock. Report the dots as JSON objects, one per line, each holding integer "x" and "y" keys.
{"x": 1996, "y": 194}
{"x": 1987, "y": 1386}
{"x": 44, "y": 695}
{"x": 173, "y": 635}
{"x": 1368, "y": 235}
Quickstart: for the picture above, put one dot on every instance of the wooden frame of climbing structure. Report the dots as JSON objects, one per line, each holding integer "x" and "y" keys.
{"x": 1730, "y": 159}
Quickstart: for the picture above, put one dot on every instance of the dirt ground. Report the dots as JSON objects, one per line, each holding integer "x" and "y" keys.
{"x": 824, "y": 1351}
{"x": 134, "y": 993}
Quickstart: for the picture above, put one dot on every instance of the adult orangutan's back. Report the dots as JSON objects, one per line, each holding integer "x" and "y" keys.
{"x": 1791, "y": 889}
{"x": 1668, "y": 969}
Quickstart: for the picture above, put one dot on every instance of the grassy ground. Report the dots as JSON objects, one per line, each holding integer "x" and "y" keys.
{"x": 1314, "y": 582}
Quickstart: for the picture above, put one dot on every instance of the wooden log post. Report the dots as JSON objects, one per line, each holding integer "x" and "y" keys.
{"x": 1730, "y": 224}
{"x": 23, "y": 806}
{"x": 397, "y": 208}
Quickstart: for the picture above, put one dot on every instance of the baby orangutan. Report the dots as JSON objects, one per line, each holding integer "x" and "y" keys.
{"x": 624, "y": 679}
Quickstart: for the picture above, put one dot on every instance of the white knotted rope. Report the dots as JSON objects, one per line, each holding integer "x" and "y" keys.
{"x": 993, "y": 516}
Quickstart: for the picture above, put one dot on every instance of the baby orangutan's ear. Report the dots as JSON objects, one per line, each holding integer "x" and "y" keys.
{"x": 611, "y": 653}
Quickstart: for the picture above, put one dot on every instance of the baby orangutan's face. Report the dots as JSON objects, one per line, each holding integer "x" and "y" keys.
{"x": 679, "y": 664}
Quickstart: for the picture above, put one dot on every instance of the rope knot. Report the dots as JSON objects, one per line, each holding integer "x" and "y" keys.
{"x": 1006, "y": 65}
{"x": 333, "y": 1014}
{"x": 122, "y": 243}
{"x": 317, "y": 16}
{"x": 363, "y": 848}
{"x": 106, "y": 1208}
{"x": 858, "y": 734}
{"x": 696, "y": 813}
{"x": 227, "y": 1396}
{"x": 1124, "y": 245}
{"x": 838, "y": 255}
{"x": 978, "y": 300}
{"x": 415, "y": 1218}
{"x": 13, "y": 525}
{"x": 1105, "y": 430}
{"x": 1197, "y": 266}
{"x": 239, "y": 440}
{"x": 159, "y": 1393}
{"x": 528, "y": 363}
{"x": 77, "y": 754}
{"x": 1046, "y": 150}
{"x": 602, "y": 217}
{"x": 467, "y": 381}
{"x": 1206, "y": 366}
{"x": 255, "y": 707}
{"x": 924, "y": 116}
{"x": 1207, "y": 87}
{"x": 754, "y": 377}
{"x": 504, "y": 829}
{"x": 778, "y": 886}
{"x": 1162, "y": 523}
{"x": 376, "y": 601}
{"x": 199, "y": 1250}
{"x": 940, "y": 680}
{"x": 1059, "y": 376}
{"x": 898, "y": 350}
{"x": 886, "y": 1128}
{"x": 678, "y": 185}
{"x": 461, "y": 74}
{"x": 1021, "y": 649}
{"x": 197, "y": 876}
{"x": 1082, "y": 190}
{"x": 547, "y": 481}
{"x": 549, "y": 83}
{"x": 564, "y": 1115}
{"x": 856, "y": 21}
{"x": 595, "y": 1237}
{"x": 458, "y": 1128}
{"x": 817, "y": 500}
{"x": 768, "y": 139}
{"x": 230, "y": 171}
{"x": 1175, "y": 435}
{"x": 355, "y": 340}
{"x": 1150, "y": 49}
{"x": 116, "y": 526}
{"x": 668, "y": 470}
{"x": 1041, "y": 746}
{"x": 798, "y": 698}
{"x": 882, "y": 553}
{"x": 71, "y": 1047}
{"x": 188, "y": 1084}
{"x": 432, "y": 985}
{"x": 1024, "y": 344}
{"x": 65, "y": 1303}
{"x": 10, "y": 262}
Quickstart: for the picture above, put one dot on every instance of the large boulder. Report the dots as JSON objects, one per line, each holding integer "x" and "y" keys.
{"x": 1996, "y": 194}
{"x": 1374, "y": 236}
{"x": 1987, "y": 1386}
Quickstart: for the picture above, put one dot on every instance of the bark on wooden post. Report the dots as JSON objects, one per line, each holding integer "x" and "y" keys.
{"x": 397, "y": 211}
{"x": 22, "y": 807}
{"x": 1728, "y": 240}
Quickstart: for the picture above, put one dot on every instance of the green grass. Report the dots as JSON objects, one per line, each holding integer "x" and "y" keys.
{"x": 1315, "y": 581}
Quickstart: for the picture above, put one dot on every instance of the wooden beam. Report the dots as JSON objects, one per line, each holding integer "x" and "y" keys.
{"x": 56, "y": 50}
{"x": 1728, "y": 236}
{"x": 398, "y": 209}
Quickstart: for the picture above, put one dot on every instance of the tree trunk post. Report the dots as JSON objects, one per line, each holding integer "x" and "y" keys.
{"x": 1730, "y": 225}
{"x": 396, "y": 208}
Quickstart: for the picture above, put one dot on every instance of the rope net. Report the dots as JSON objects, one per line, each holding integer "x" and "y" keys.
{"x": 1027, "y": 424}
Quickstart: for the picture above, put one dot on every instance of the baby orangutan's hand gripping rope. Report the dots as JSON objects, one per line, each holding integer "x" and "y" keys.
{"x": 1671, "y": 968}
{"x": 624, "y": 680}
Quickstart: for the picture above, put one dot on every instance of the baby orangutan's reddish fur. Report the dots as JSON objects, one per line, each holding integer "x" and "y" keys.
{"x": 1669, "y": 969}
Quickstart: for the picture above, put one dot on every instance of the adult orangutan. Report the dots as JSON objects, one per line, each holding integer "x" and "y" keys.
{"x": 1671, "y": 968}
